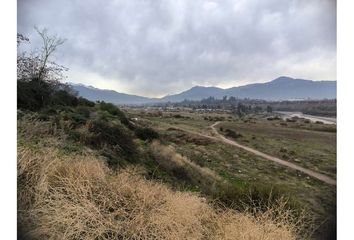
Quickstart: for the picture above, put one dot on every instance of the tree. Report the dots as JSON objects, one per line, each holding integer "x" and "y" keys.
{"x": 269, "y": 109}
{"x": 38, "y": 78}
{"x": 241, "y": 109}
{"x": 21, "y": 38}
{"x": 232, "y": 99}
{"x": 50, "y": 44}
{"x": 258, "y": 109}
{"x": 37, "y": 64}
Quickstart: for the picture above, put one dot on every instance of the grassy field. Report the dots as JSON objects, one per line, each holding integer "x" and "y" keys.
{"x": 307, "y": 144}
{"x": 310, "y": 148}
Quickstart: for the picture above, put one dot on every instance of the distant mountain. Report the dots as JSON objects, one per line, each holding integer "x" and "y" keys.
{"x": 282, "y": 88}
{"x": 285, "y": 88}
{"x": 195, "y": 93}
{"x": 111, "y": 96}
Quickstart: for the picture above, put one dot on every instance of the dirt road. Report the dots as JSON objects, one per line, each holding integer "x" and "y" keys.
{"x": 218, "y": 137}
{"x": 309, "y": 172}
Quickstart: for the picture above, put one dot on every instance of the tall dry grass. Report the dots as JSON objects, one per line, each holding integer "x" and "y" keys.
{"x": 78, "y": 197}
{"x": 169, "y": 159}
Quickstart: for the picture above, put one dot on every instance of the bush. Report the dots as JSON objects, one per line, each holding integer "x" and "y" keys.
{"x": 33, "y": 95}
{"x": 50, "y": 111}
{"x": 64, "y": 98}
{"x": 273, "y": 118}
{"x": 74, "y": 135}
{"x": 232, "y": 134}
{"x": 146, "y": 133}
{"x": 84, "y": 102}
{"x": 112, "y": 109}
{"x": 43, "y": 117}
{"x": 115, "y": 136}
{"x": 290, "y": 120}
{"x": 37, "y": 94}
{"x": 84, "y": 111}
{"x": 74, "y": 118}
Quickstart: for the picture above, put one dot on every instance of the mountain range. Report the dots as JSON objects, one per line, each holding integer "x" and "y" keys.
{"x": 282, "y": 88}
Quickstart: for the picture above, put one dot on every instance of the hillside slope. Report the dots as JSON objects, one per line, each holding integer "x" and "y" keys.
{"x": 96, "y": 94}
{"x": 63, "y": 195}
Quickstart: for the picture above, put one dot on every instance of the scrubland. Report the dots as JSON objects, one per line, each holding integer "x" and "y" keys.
{"x": 72, "y": 193}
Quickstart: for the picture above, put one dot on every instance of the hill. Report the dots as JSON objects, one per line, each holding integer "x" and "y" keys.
{"x": 95, "y": 94}
{"x": 282, "y": 88}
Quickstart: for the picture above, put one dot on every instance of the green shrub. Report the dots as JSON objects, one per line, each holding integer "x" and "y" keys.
{"x": 84, "y": 111}
{"x": 37, "y": 94}
{"x": 43, "y": 117}
{"x": 273, "y": 118}
{"x": 115, "y": 111}
{"x": 84, "y": 102}
{"x": 50, "y": 111}
{"x": 290, "y": 120}
{"x": 33, "y": 95}
{"x": 111, "y": 108}
{"x": 74, "y": 135}
{"x": 115, "y": 136}
{"x": 64, "y": 98}
{"x": 232, "y": 134}
{"x": 146, "y": 133}
{"x": 76, "y": 118}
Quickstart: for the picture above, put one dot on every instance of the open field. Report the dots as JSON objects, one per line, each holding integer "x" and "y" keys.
{"x": 310, "y": 145}
{"x": 315, "y": 150}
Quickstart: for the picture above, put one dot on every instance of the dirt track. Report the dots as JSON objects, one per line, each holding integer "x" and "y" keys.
{"x": 218, "y": 137}
{"x": 309, "y": 172}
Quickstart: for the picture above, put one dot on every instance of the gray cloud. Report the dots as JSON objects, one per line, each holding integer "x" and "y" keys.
{"x": 155, "y": 47}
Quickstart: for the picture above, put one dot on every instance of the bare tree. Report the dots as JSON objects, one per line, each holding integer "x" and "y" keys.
{"x": 50, "y": 44}
{"x": 37, "y": 64}
{"x": 21, "y": 38}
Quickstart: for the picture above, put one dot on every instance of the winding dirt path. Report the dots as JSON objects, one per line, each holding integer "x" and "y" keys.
{"x": 309, "y": 172}
{"x": 219, "y": 137}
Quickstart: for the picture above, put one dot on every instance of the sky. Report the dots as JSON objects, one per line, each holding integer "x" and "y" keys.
{"x": 158, "y": 47}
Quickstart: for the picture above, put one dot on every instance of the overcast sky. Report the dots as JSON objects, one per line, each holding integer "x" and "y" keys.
{"x": 153, "y": 48}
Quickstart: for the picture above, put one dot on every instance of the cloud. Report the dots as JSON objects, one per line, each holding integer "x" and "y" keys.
{"x": 155, "y": 47}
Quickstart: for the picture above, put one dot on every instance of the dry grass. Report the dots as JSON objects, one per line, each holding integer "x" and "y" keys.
{"x": 169, "y": 159}
{"x": 78, "y": 197}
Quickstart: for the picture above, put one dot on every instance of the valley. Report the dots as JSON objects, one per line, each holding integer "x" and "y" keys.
{"x": 239, "y": 149}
